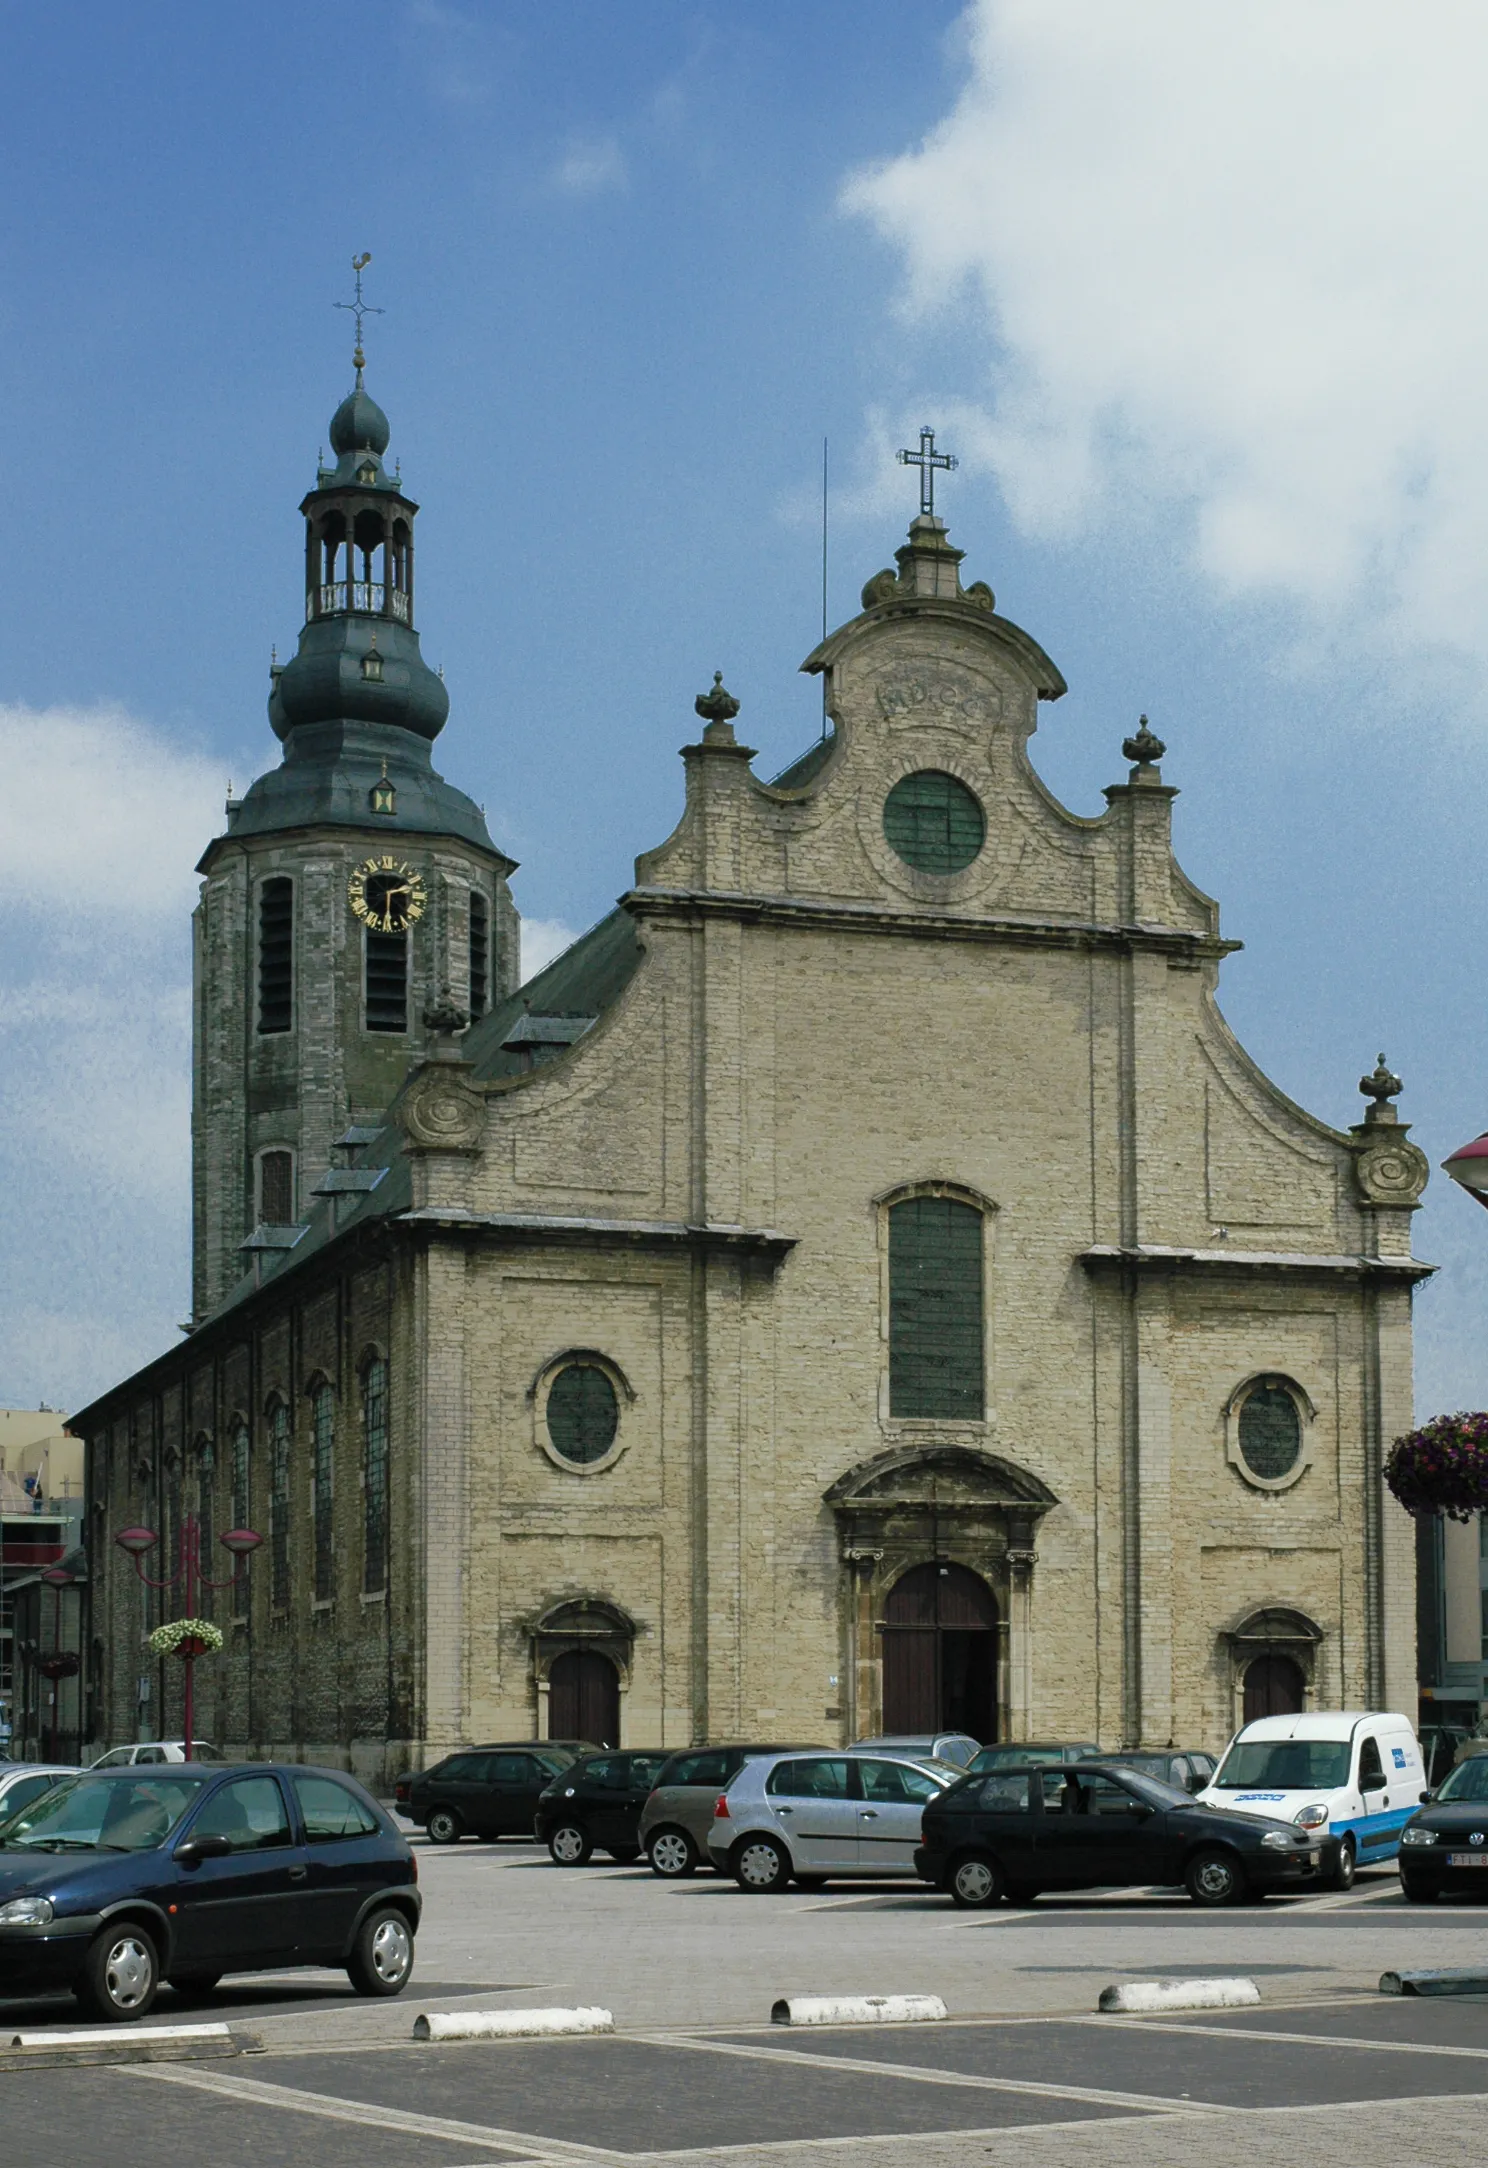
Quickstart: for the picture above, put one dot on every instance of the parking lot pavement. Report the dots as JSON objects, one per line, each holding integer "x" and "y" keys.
{"x": 694, "y": 2074}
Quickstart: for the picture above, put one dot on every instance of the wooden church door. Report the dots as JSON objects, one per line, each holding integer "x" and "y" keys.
{"x": 584, "y": 1698}
{"x": 940, "y": 1653}
{"x": 1274, "y": 1686}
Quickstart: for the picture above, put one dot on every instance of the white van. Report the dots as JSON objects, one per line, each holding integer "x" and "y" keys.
{"x": 1354, "y": 1774}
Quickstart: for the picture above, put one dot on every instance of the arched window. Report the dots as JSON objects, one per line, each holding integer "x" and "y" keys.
{"x": 276, "y": 955}
{"x": 375, "y": 1476}
{"x": 279, "y": 1505}
{"x": 386, "y": 980}
{"x": 480, "y": 954}
{"x": 275, "y": 1204}
{"x": 1270, "y": 1431}
{"x": 936, "y": 1362}
{"x": 205, "y": 1468}
{"x": 583, "y": 1413}
{"x": 241, "y": 1508}
{"x": 322, "y": 1482}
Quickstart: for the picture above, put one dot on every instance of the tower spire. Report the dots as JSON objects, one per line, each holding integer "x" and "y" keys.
{"x": 359, "y": 308}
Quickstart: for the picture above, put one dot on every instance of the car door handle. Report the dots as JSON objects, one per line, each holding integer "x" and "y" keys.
{"x": 785, "y": 1810}
{"x": 297, "y": 1874}
{"x": 868, "y": 1814}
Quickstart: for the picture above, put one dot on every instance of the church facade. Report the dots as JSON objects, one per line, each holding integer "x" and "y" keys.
{"x": 862, "y": 1284}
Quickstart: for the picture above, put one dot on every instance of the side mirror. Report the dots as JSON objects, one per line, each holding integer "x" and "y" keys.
{"x": 193, "y": 1850}
{"x": 1425, "y": 1796}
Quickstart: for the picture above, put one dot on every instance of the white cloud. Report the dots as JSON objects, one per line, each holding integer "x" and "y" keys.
{"x": 542, "y": 940}
{"x": 590, "y": 168}
{"x": 1231, "y": 259}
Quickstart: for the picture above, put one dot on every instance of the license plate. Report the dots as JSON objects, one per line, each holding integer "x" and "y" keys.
{"x": 1467, "y": 1859}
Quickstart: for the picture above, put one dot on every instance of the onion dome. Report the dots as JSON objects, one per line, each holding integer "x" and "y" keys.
{"x": 359, "y": 424}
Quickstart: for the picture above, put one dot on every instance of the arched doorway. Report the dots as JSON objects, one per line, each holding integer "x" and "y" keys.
{"x": 584, "y": 1698}
{"x": 940, "y": 1653}
{"x": 1274, "y": 1686}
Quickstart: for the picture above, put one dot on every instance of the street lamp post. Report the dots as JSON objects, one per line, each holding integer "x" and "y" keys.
{"x": 240, "y": 1542}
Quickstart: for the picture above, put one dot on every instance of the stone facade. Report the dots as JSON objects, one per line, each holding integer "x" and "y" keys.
{"x": 631, "y": 1268}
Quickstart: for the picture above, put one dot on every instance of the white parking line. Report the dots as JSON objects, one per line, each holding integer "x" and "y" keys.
{"x": 1295, "y": 2039}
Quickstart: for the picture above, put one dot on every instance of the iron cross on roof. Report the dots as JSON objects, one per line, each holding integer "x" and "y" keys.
{"x": 359, "y": 308}
{"x": 927, "y": 459}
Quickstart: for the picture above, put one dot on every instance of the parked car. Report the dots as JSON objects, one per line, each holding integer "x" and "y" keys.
{"x": 487, "y": 1791}
{"x": 597, "y": 1801}
{"x": 947, "y": 1746}
{"x": 1038, "y": 1754}
{"x": 805, "y": 1817}
{"x": 155, "y": 1751}
{"x": 1190, "y": 1772}
{"x": 1097, "y": 1825}
{"x": 678, "y": 1817}
{"x": 1445, "y": 1844}
{"x": 21, "y": 1782}
{"x": 1355, "y": 1773}
{"x": 116, "y": 1878}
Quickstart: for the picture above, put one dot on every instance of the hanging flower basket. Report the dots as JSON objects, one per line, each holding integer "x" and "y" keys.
{"x": 1442, "y": 1467}
{"x": 60, "y": 1664}
{"x": 186, "y": 1637}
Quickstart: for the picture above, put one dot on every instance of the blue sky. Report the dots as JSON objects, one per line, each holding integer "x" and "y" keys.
{"x": 1198, "y": 299}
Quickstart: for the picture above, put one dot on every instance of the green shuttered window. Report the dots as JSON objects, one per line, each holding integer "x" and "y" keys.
{"x": 935, "y": 1309}
{"x": 583, "y": 1414}
{"x": 1270, "y": 1433}
{"x": 933, "y": 822}
{"x": 322, "y": 1479}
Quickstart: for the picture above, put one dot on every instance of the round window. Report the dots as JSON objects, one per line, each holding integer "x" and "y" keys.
{"x": 583, "y": 1414}
{"x": 1270, "y": 1433}
{"x": 934, "y": 822}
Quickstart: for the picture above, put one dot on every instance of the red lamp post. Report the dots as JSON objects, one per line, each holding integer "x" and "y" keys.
{"x": 1468, "y": 1167}
{"x": 240, "y": 1542}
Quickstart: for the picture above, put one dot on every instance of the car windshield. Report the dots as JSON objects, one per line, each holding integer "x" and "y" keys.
{"x": 1469, "y": 1780}
{"x": 102, "y": 1814}
{"x": 1285, "y": 1765}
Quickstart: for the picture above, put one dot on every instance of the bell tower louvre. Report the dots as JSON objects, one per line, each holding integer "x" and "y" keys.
{"x": 352, "y": 889}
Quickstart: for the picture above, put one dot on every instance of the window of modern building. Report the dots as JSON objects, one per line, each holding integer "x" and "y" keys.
{"x": 480, "y": 954}
{"x": 1270, "y": 1431}
{"x": 279, "y": 1505}
{"x": 936, "y": 1363}
{"x": 276, "y": 955}
{"x": 386, "y": 981}
{"x": 583, "y": 1414}
{"x": 934, "y": 822}
{"x": 322, "y": 1480}
{"x": 375, "y": 1477}
{"x": 276, "y": 1198}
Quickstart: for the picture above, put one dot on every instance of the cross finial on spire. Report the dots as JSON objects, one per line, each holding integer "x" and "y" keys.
{"x": 359, "y": 308}
{"x": 927, "y": 459}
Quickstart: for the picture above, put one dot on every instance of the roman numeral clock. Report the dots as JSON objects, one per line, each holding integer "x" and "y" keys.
{"x": 387, "y": 894}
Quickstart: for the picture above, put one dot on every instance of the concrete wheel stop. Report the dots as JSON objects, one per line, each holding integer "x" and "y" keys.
{"x": 510, "y": 2024}
{"x": 857, "y": 2010}
{"x": 1437, "y": 1980}
{"x": 1136, "y": 1998}
{"x": 125, "y": 2044}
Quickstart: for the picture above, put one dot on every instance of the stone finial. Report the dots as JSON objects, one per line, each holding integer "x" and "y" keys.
{"x": 1144, "y": 748}
{"x": 1381, "y": 1085}
{"x": 444, "y": 1017}
{"x": 717, "y": 705}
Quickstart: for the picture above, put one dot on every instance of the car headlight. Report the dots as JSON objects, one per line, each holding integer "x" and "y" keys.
{"x": 1312, "y": 1817}
{"x": 1409, "y": 1836}
{"x": 1277, "y": 1840}
{"x": 26, "y": 1912}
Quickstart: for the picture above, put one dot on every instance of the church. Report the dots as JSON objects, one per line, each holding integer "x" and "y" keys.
{"x": 863, "y": 1284}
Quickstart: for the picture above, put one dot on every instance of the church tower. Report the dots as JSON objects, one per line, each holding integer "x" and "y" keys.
{"x": 353, "y": 886}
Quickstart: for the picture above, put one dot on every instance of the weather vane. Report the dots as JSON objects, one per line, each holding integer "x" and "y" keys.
{"x": 359, "y": 308}
{"x": 927, "y": 459}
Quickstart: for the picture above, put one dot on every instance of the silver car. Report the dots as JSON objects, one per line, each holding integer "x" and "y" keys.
{"x": 952, "y": 1746}
{"x": 803, "y": 1817}
{"x": 21, "y": 1782}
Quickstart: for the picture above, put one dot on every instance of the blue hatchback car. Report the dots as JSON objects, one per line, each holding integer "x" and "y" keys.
{"x": 116, "y": 1879}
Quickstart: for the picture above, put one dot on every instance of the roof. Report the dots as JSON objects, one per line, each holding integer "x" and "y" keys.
{"x": 808, "y": 766}
{"x": 1320, "y": 1724}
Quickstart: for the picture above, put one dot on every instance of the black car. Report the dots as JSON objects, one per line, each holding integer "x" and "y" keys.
{"x": 116, "y": 1879}
{"x": 598, "y": 1801}
{"x": 1100, "y": 1825}
{"x": 1446, "y": 1844}
{"x": 485, "y": 1791}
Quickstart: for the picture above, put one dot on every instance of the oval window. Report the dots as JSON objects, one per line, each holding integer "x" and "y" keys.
{"x": 933, "y": 822}
{"x": 583, "y": 1414}
{"x": 1270, "y": 1433}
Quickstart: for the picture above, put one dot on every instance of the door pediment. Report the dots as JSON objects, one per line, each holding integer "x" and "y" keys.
{"x": 941, "y": 1477}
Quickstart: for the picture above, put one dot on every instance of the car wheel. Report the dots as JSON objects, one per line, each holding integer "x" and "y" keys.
{"x": 672, "y": 1853}
{"x": 975, "y": 1881}
{"x": 1215, "y": 1878}
{"x": 1417, "y": 1892}
{"x": 121, "y": 1973}
{"x": 623, "y": 1854}
{"x": 570, "y": 1845}
{"x": 194, "y": 1986}
{"x": 382, "y": 1956}
{"x": 444, "y": 1826}
{"x": 1347, "y": 1866}
{"x": 760, "y": 1866}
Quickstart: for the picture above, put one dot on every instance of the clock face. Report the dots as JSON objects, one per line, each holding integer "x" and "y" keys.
{"x": 387, "y": 894}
